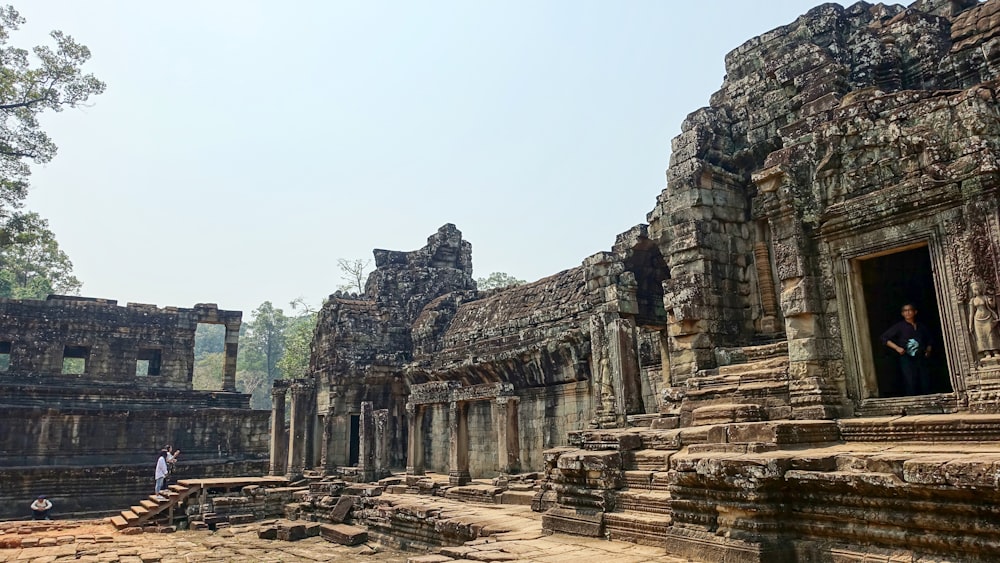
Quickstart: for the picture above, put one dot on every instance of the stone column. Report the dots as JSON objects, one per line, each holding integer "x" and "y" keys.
{"x": 414, "y": 439}
{"x": 765, "y": 281}
{"x": 279, "y": 437}
{"x": 458, "y": 458}
{"x": 623, "y": 360}
{"x": 381, "y": 443}
{"x": 665, "y": 359}
{"x": 232, "y": 350}
{"x": 302, "y": 394}
{"x": 508, "y": 437}
{"x": 324, "y": 453}
{"x": 366, "y": 442}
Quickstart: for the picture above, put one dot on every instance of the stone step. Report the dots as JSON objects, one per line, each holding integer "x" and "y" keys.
{"x": 644, "y": 502}
{"x": 636, "y": 527}
{"x": 763, "y": 366}
{"x": 747, "y": 354}
{"x": 647, "y": 460}
{"x": 129, "y": 516}
{"x": 119, "y": 522}
{"x": 727, "y": 413}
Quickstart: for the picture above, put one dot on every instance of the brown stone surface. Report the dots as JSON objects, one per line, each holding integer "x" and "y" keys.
{"x": 78, "y": 437}
{"x": 343, "y": 534}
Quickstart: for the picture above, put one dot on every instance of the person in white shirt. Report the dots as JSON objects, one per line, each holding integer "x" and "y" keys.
{"x": 161, "y": 471}
{"x": 40, "y": 508}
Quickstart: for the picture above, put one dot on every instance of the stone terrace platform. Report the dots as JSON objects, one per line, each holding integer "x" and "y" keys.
{"x": 523, "y": 542}
{"x": 927, "y": 486}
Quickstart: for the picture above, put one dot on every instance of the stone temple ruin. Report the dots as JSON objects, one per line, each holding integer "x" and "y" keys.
{"x": 90, "y": 391}
{"x": 714, "y": 384}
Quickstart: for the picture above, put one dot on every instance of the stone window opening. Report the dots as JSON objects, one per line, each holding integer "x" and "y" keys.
{"x": 210, "y": 357}
{"x": 75, "y": 360}
{"x": 147, "y": 362}
{"x": 5, "y": 356}
{"x": 888, "y": 281}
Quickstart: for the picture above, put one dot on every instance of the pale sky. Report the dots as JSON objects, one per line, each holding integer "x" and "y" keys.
{"x": 243, "y": 146}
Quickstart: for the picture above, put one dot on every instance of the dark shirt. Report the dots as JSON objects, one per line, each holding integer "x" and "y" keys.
{"x": 901, "y": 332}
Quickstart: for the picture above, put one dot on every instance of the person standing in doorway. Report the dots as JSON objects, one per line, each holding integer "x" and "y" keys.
{"x": 913, "y": 342}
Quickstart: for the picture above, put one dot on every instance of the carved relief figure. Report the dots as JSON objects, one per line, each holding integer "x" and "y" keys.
{"x": 983, "y": 320}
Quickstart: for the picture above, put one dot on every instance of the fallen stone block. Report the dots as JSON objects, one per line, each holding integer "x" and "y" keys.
{"x": 343, "y": 534}
{"x": 269, "y": 533}
{"x": 342, "y": 509}
{"x": 312, "y": 529}
{"x": 125, "y": 531}
{"x": 291, "y": 532}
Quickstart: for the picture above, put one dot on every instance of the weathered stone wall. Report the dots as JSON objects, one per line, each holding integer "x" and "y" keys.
{"x": 110, "y": 337}
{"x": 36, "y": 436}
{"x": 62, "y": 430}
{"x": 98, "y": 490}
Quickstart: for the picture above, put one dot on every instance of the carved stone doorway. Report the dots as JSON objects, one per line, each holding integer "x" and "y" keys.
{"x": 888, "y": 281}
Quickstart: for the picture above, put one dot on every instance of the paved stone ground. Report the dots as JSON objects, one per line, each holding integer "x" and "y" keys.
{"x": 93, "y": 541}
{"x": 96, "y": 542}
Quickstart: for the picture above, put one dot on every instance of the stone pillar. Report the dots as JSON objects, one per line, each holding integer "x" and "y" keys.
{"x": 366, "y": 443}
{"x": 232, "y": 350}
{"x": 458, "y": 458}
{"x": 302, "y": 394}
{"x": 279, "y": 437}
{"x": 414, "y": 439}
{"x": 765, "y": 281}
{"x": 665, "y": 359}
{"x": 508, "y": 437}
{"x": 327, "y": 435}
{"x": 382, "y": 437}
{"x": 623, "y": 358}
{"x": 309, "y": 460}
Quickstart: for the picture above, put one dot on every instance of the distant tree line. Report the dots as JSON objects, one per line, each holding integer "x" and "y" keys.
{"x": 273, "y": 345}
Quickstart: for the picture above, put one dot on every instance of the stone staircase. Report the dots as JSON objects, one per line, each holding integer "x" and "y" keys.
{"x": 642, "y": 508}
{"x": 750, "y": 385}
{"x": 154, "y": 506}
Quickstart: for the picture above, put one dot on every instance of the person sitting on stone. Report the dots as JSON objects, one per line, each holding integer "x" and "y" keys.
{"x": 40, "y": 508}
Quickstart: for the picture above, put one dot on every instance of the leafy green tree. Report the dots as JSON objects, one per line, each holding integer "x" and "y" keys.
{"x": 46, "y": 78}
{"x": 35, "y": 266}
{"x": 298, "y": 345}
{"x": 261, "y": 348}
{"x": 498, "y": 280}
{"x": 208, "y": 339}
{"x": 208, "y": 372}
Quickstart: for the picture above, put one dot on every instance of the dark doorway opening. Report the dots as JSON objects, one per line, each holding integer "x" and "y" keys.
{"x": 354, "y": 447}
{"x": 888, "y": 282}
